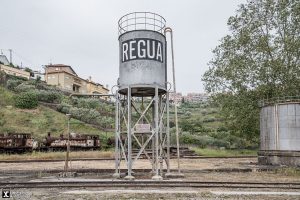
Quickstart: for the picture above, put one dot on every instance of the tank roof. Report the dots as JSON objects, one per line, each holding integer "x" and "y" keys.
{"x": 279, "y": 100}
{"x": 141, "y": 21}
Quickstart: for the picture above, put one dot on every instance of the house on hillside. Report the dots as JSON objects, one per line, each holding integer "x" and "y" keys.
{"x": 64, "y": 77}
{"x": 14, "y": 71}
{"x": 176, "y": 98}
{"x": 4, "y": 66}
{"x": 196, "y": 97}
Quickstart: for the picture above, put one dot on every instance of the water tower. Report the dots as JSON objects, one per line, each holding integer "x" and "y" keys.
{"x": 142, "y": 97}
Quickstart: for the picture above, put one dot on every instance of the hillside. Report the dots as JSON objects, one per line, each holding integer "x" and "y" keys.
{"x": 204, "y": 114}
{"x": 37, "y": 121}
{"x": 200, "y": 124}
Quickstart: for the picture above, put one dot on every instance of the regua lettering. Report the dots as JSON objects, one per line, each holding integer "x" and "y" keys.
{"x": 142, "y": 48}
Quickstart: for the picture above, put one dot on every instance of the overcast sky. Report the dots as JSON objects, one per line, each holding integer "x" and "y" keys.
{"x": 83, "y": 34}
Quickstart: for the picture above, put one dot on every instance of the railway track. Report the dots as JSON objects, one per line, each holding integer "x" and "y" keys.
{"x": 150, "y": 184}
{"x": 103, "y": 159}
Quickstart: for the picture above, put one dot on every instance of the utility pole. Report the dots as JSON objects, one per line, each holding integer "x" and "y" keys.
{"x": 168, "y": 29}
{"x": 68, "y": 145}
{"x": 10, "y": 56}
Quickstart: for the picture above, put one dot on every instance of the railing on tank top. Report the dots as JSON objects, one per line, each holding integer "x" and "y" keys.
{"x": 278, "y": 100}
{"x": 141, "y": 21}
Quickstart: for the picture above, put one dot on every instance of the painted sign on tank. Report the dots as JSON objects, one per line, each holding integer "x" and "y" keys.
{"x": 142, "y": 48}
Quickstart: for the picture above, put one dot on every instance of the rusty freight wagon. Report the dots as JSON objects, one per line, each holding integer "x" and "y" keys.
{"x": 77, "y": 142}
{"x": 16, "y": 143}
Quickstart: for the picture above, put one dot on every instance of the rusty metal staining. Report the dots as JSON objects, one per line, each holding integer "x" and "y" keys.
{"x": 23, "y": 142}
{"x": 16, "y": 142}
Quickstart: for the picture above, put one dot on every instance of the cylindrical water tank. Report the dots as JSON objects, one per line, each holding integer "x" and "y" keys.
{"x": 280, "y": 133}
{"x": 142, "y": 53}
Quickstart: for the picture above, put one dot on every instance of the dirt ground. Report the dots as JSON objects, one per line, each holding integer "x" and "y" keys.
{"x": 188, "y": 164}
{"x": 150, "y": 193}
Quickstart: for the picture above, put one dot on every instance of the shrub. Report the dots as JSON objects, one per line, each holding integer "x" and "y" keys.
{"x": 23, "y": 87}
{"x": 204, "y": 112}
{"x": 26, "y": 100}
{"x": 187, "y": 113}
{"x": 49, "y": 96}
{"x": 90, "y": 116}
{"x": 43, "y": 86}
{"x": 64, "y": 108}
{"x": 209, "y": 119}
{"x": 12, "y": 84}
{"x": 9, "y": 76}
{"x": 2, "y": 77}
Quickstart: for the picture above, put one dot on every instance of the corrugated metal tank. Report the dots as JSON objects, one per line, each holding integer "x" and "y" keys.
{"x": 280, "y": 134}
{"x": 280, "y": 127}
{"x": 142, "y": 54}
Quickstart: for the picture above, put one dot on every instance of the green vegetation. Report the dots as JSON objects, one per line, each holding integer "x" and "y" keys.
{"x": 26, "y": 100}
{"x": 57, "y": 155}
{"x": 37, "y": 121}
{"x": 223, "y": 152}
{"x": 258, "y": 60}
{"x": 202, "y": 125}
{"x": 89, "y": 110}
{"x": 6, "y": 97}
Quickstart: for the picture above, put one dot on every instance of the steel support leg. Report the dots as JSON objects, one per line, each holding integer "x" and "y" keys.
{"x": 156, "y": 176}
{"x": 168, "y": 135}
{"x": 129, "y": 149}
{"x": 117, "y": 154}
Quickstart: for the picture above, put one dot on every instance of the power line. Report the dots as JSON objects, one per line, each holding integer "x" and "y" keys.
{"x": 21, "y": 57}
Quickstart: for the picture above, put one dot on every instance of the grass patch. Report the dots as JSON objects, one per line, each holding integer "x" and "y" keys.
{"x": 37, "y": 121}
{"x": 57, "y": 155}
{"x": 6, "y": 97}
{"x": 223, "y": 153}
{"x": 40, "y": 121}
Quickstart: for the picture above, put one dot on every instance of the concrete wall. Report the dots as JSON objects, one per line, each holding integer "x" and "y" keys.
{"x": 94, "y": 88}
{"x": 14, "y": 71}
{"x": 57, "y": 79}
{"x": 66, "y": 81}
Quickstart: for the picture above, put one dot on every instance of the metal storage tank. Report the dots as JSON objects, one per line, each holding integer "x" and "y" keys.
{"x": 280, "y": 132}
{"x": 142, "y": 53}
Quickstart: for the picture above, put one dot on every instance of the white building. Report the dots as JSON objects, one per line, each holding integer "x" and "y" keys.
{"x": 176, "y": 97}
{"x": 196, "y": 97}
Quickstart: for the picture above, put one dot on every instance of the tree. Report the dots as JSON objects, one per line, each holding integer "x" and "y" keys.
{"x": 260, "y": 59}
